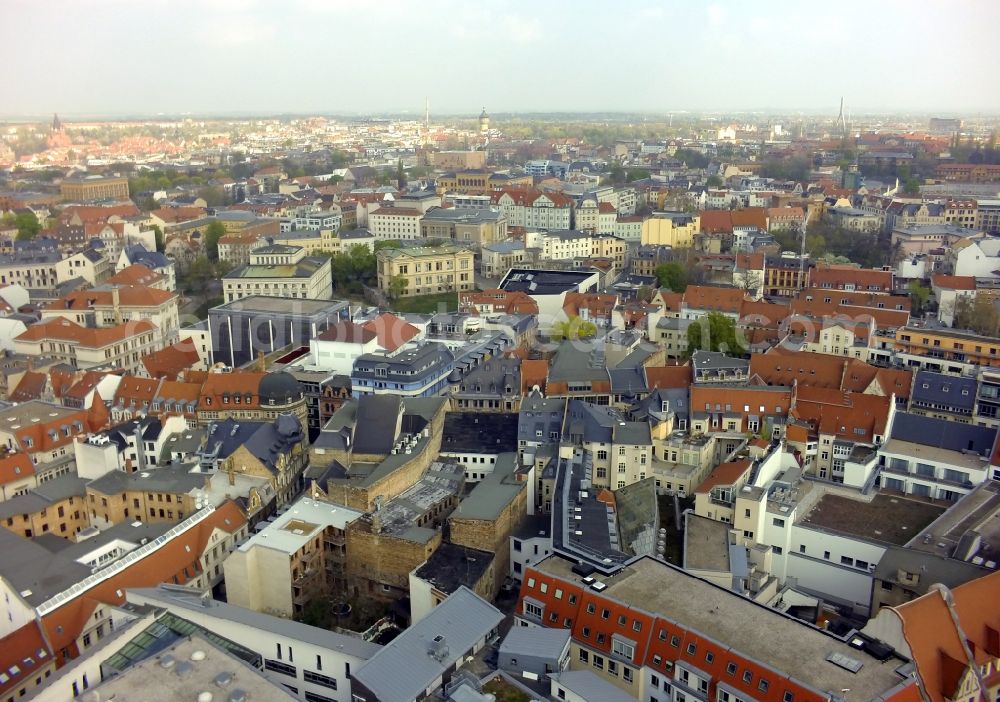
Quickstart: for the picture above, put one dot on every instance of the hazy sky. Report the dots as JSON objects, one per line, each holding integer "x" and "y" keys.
{"x": 211, "y": 56}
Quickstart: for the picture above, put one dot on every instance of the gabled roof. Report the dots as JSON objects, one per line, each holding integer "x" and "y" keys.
{"x": 31, "y": 387}
{"x": 62, "y": 329}
{"x": 725, "y": 474}
{"x": 128, "y": 296}
{"x": 851, "y": 416}
{"x": 391, "y": 331}
{"x": 136, "y": 274}
{"x": 23, "y": 654}
{"x": 171, "y": 361}
{"x": 942, "y": 635}
{"x": 15, "y": 467}
{"x": 716, "y": 299}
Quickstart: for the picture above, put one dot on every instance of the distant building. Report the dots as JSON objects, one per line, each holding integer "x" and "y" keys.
{"x": 280, "y": 271}
{"x": 426, "y": 270}
{"x": 241, "y": 329}
{"x": 94, "y": 188}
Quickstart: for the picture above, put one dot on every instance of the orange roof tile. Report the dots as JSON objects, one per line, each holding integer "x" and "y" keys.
{"x": 668, "y": 376}
{"x": 954, "y": 282}
{"x": 136, "y": 274}
{"x": 25, "y": 651}
{"x": 534, "y": 372}
{"x": 31, "y": 387}
{"x": 220, "y": 385}
{"x": 172, "y": 360}
{"x": 938, "y": 642}
{"x": 177, "y": 560}
{"x": 128, "y": 296}
{"x": 14, "y": 467}
{"x": 716, "y": 299}
{"x": 725, "y": 474}
{"x": 392, "y": 332}
{"x": 62, "y": 329}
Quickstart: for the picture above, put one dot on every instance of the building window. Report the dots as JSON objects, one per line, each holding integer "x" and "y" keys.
{"x": 317, "y": 679}
{"x": 620, "y": 648}
{"x": 279, "y": 667}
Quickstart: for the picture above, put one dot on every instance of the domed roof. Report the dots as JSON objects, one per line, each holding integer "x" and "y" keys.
{"x": 279, "y": 388}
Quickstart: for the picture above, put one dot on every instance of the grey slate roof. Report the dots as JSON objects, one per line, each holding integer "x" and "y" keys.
{"x": 929, "y": 567}
{"x": 949, "y": 391}
{"x": 404, "y": 669}
{"x": 479, "y": 432}
{"x": 535, "y": 641}
{"x": 452, "y": 566}
{"x": 942, "y": 433}
{"x": 375, "y": 428}
{"x": 491, "y": 495}
{"x": 589, "y": 687}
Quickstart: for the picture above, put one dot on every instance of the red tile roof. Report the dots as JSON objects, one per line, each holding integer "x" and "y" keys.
{"x": 62, "y": 329}
{"x": 392, "y": 332}
{"x": 954, "y": 282}
{"x": 31, "y": 387}
{"x": 941, "y": 638}
{"x": 25, "y": 651}
{"x": 348, "y": 333}
{"x": 848, "y": 415}
{"x": 136, "y": 274}
{"x": 172, "y": 360}
{"x": 716, "y": 299}
{"x": 14, "y": 467}
{"x": 178, "y": 560}
{"x": 668, "y": 376}
{"x": 128, "y": 296}
{"x": 725, "y": 474}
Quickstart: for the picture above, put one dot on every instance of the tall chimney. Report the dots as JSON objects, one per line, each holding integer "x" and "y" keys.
{"x": 261, "y": 362}
{"x": 116, "y": 305}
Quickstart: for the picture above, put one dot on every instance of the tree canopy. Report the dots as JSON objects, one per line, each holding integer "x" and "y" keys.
{"x": 573, "y": 328}
{"x": 27, "y": 225}
{"x": 715, "y": 332}
{"x": 213, "y": 232}
{"x": 672, "y": 275}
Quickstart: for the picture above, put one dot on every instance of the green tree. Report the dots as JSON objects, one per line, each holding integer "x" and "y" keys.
{"x": 918, "y": 296}
{"x": 158, "y": 235}
{"x": 213, "y": 196}
{"x": 400, "y": 175}
{"x": 976, "y": 313}
{"x": 911, "y": 186}
{"x": 397, "y": 286}
{"x": 714, "y": 181}
{"x": 616, "y": 174}
{"x": 636, "y": 174}
{"x": 213, "y": 232}
{"x": 672, "y": 275}
{"x": 27, "y": 225}
{"x": 573, "y": 328}
{"x": 715, "y": 332}
{"x": 198, "y": 274}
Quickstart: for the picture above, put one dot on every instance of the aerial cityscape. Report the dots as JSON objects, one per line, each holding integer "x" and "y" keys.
{"x": 398, "y": 352}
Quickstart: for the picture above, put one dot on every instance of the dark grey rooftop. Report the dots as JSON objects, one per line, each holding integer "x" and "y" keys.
{"x": 543, "y": 282}
{"x": 494, "y": 493}
{"x": 948, "y": 392}
{"x": 479, "y": 432}
{"x": 943, "y": 433}
{"x": 452, "y": 566}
